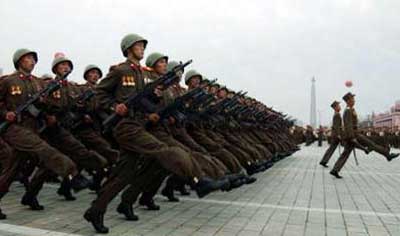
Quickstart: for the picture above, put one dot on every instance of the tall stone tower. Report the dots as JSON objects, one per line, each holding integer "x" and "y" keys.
{"x": 313, "y": 107}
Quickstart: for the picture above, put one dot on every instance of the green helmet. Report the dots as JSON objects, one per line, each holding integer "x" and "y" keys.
{"x": 129, "y": 40}
{"x": 92, "y": 67}
{"x": 171, "y": 65}
{"x": 59, "y": 60}
{"x": 152, "y": 59}
{"x": 22, "y": 52}
{"x": 190, "y": 74}
{"x": 216, "y": 85}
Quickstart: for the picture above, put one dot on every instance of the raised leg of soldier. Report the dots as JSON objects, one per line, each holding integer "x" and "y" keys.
{"x": 64, "y": 141}
{"x": 93, "y": 141}
{"x": 24, "y": 140}
{"x": 385, "y": 151}
{"x": 173, "y": 159}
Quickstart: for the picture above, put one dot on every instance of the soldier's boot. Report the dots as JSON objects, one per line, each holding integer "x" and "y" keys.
{"x": 180, "y": 185}
{"x": 96, "y": 218}
{"x": 2, "y": 215}
{"x": 336, "y": 174}
{"x": 96, "y": 180}
{"x": 235, "y": 180}
{"x": 269, "y": 164}
{"x": 249, "y": 179}
{"x": 252, "y": 169}
{"x": 392, "y": 156}
{"x": 147, "y": 200}
{"x": 205, "y": 186}
{"x": 168, "y": 190}
{"x": 65, "y": 190}
{"x": 32, "y": 202}
{"x": 225, "y": 184}
{"x": 127, "y": 211}
{"x": 182, "y": 190}
{"x": 79, "y": 183}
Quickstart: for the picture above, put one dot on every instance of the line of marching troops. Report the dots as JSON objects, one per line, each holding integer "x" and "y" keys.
{"x": 388, "y": 137}
{"x": 130, "y": 132}
{"x": 345, "y": 131}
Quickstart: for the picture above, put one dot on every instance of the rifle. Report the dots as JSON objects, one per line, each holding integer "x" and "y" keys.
{"x": 29, "y": 106}
{"x": 134, "y": 100}
{"x": 180, "y": 102}
{"x": 223, "y": 105}
{"x": 73, "y": 118}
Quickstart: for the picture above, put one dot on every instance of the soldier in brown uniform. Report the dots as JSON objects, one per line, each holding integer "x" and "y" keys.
{"x": 122, "y": 81}
{"x": 200, "y": 134}
{"x": 354, "y": 139}
{"x": 22, "y": 133}
{"x": 61, "y": 102}
{"x": 336, "y": 134}
{"x": 89, "y": 129}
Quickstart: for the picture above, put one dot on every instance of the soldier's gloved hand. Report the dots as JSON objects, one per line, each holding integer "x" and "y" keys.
{"x": 11, "y": 116}
{"x": 51, "y": 120}
{"x": 154, "y": 117}
{"x": 121, "y": 109}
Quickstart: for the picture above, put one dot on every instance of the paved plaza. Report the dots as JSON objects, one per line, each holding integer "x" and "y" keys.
{"x": 295, "y": 197}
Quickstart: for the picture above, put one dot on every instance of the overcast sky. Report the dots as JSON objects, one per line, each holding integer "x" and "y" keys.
{"x": 269, "y": 48}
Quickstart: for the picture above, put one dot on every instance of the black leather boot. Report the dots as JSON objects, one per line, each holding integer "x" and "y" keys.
{"x": 65, "y": 190}
{"x": 32, "y": 202}
{"x": 96, "y": 218}
{"x": 127, "y": 211}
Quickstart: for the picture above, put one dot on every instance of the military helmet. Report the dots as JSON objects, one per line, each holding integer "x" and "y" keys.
{"x": 59, "y": 60}
{"x": 92, "y": 67}
{"x": 216, "y": 85}
{"x": 152, "y": 59}
{"x": 129, "y": 40}
{"x": 171, "y": 65}
{"x": 205, "y": 80}
{"x": 20, "y": 53}
{"x": 190, "y": 74}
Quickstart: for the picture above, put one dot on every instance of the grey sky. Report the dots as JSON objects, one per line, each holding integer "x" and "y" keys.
{"x": 269, "y": 48}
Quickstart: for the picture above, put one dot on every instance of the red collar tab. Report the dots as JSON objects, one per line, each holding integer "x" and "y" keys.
{"x": 25, "y": 77}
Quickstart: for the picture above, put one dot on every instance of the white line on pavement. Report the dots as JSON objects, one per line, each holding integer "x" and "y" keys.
{"x": 29, "y": 231}
{"x": 344, "y": 171}
{"x": 272, "y": 206}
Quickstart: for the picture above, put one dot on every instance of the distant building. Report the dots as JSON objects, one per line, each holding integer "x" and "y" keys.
{"x": 388, "y": 119}
{"x": 366, "y": 122}
{"x": 1, "y": 71}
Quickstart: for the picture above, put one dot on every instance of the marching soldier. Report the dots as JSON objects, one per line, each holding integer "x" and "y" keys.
{"x": 122, "y": 81}
{"x": 59, "y": 103}
{"x": 89, "y": 129}
{"x": 354, "y": 139}
{"x": 22, "y": 132}
{"x": 336, "y": 134}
